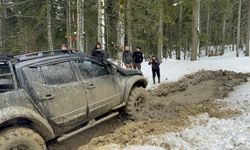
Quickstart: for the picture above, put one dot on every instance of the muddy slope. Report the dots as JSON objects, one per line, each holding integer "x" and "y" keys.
{"x": 170, "y": 106}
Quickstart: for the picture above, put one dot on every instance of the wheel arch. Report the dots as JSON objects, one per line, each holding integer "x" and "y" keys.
{"x": 135, "y": 81}
{"x": 20, "y": 116}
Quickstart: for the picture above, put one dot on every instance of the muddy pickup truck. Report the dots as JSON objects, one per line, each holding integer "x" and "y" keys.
{"x": 52, "y": 96}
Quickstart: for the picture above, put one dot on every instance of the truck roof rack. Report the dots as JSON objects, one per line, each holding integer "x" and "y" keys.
{"x": 6, "y": 57}
{"x": 41, "y": 54}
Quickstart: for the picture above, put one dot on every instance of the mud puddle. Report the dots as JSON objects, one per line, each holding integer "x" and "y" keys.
{"x": 171, "y": 105}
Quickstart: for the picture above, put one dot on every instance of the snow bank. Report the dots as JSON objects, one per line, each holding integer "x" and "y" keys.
{"x": 214, "y": 133}
{"x": 173, "y": 70}
{"x": 206, "y": 132}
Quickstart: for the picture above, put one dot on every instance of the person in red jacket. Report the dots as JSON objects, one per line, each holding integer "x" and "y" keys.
{"x": 155, "y": 63}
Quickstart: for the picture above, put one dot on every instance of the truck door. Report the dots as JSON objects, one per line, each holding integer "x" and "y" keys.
{"x": 102, "y": 88}
{"x": 59, "y": 94}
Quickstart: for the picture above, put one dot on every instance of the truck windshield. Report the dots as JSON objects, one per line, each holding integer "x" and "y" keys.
{"x": 6, "y": 80}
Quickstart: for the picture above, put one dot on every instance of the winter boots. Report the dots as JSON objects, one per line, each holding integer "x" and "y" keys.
{"x": 154, "y": 80}
{"x": 159, "y": 80}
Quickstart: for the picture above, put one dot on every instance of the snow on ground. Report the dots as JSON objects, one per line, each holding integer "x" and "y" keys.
{"x": 206, "y": 132}
{"x": 214, "y": 133}
{"x": 175, "y": 69}
{"x": 118, "y": 147}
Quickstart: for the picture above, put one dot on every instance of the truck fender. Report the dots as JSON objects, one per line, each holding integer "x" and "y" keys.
{"x": 139, "y": 81}
{"x": 40, "y": 125}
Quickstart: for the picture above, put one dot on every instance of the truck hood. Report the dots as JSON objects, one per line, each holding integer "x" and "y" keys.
{"x": 125, "y": 71}
{"x": 129, "y": 72}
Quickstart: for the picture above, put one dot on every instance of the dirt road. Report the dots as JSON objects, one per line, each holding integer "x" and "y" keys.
{"x": 170, "y": 106}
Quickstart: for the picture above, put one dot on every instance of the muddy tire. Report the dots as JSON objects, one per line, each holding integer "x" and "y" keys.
{"x": 21, "y": 139}
{"x": 136, "y": 103}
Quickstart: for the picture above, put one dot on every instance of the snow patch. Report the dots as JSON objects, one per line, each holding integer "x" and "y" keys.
{"x": 173, "y": 70}
{"x": 215, "y": 134}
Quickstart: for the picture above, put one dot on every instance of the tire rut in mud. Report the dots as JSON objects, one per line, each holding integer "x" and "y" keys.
{"x": 171, "y": 104}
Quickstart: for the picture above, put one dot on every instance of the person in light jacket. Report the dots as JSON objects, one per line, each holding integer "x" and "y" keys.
{"x": 127, "y": 57}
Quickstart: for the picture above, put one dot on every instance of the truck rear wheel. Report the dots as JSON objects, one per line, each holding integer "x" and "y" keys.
{"x": 136, "y": 103}
{"x": 19, "y": 138}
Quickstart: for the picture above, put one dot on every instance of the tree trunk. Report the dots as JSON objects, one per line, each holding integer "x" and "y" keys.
{"x": 101, "y": 23}
{"x": 1, "y": 32}
{"x": 83, "y": 34}
{"x": 198, "y": 27}
{"x": 195, "y": 29}
{"x": 120, "y": 28}
{"x": 160, "y": 37}
{"x": 208, "y": 27}
{"x": 238, "y": 30}
{"x": 49, "y": 25}
{"x": 129, "y": 24}
{"x": 233, "y": 39}
{"x": 178, "y": 54}
{"x": 69, "y": 27}
{"x": 248, "y": 31}
{"x": 187, "y": 44}
{"x": 224, "y": 29}
{"x": 80, "y": 24}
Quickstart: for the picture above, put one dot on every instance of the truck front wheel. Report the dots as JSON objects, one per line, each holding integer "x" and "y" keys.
{"x": 136, "y": 103}
{"x": 19, "y": 138}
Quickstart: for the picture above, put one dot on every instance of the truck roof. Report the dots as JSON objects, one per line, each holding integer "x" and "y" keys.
{"x": 5, "y": 57}
{"x": 31, "y": 58}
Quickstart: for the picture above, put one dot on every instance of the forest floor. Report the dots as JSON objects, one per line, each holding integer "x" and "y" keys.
{"x": 170, "y": 108}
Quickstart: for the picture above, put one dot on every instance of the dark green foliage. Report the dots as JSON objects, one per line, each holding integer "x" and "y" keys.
{"x": 24, "y": 24}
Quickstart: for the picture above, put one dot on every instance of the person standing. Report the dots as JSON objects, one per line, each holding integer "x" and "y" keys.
{"x": 138, "y": 58}
{"x": 127, "y": 57}
{"x": 98, "y": 53}
{"x": 65, "y": 49}
{"x": 155, "y": 63}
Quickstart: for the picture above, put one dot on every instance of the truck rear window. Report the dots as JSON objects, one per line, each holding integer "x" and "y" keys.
{"x": 6, "y": 80}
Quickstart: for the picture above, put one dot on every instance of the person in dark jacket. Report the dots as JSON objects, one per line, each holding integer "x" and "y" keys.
{"x": 155, "y": 63}
{"x": 138, "y": 58}
{"x": 98, "y": 53}
{"x": 127, "y": 57}
{"x": 65, "y": 49}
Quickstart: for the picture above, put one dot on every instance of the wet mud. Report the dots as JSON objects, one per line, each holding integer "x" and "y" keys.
{"x": 170, "y": 105}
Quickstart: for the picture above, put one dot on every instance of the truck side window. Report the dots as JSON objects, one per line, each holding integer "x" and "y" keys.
{"x": 59, "y": 73}
{"x": 33, "y": 74}
{"x": 6, "y": 82}
{"x": 90, "y": 69}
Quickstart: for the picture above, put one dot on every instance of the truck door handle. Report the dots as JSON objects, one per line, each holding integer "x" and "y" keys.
{"x": 48, "y": 97}
{"x": 91, "y": 86}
